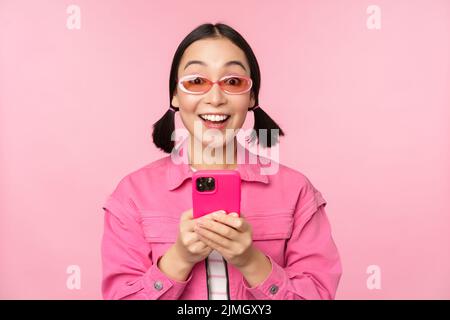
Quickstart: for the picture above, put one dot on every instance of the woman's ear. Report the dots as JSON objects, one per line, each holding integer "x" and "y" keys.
{"x": 252, "y": 100}
{"x": 175, "y": 101}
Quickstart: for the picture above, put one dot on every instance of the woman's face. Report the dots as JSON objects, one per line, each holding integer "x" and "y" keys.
{"x": 214, "y": 55}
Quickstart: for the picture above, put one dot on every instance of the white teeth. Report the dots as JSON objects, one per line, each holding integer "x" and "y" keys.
{"x": 214, "y": 117}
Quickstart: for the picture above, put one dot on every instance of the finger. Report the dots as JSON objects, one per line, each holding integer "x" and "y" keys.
{"x": 187, "y": 215}
{"x": 210, "y": 215}
{"x": 198, "y": 247}
{"x": 191, "y": 237}
{"x": 202, "y": 246}
{"x": 229, "y": 220}
{"x": 214, "y": 237}
{"x": 207, "y": 217}
{"x": 211, "y": 244}
{"x": 219, "y": 228}
{"x": 217, "y": 212}
{"x": 189, "y": 225}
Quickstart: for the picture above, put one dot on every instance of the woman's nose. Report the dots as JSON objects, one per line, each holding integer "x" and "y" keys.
{"x": 215, "y": 95}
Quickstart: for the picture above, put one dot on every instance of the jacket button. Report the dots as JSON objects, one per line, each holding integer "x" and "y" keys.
{"x": 158, "y": 285}
{"x": 273, "y": 289}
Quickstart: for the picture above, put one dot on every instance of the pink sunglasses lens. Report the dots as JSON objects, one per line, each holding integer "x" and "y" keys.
{"x": 236, "y": 84}
{"x": 196, "y": 85}
{"x": 233, "y": 85}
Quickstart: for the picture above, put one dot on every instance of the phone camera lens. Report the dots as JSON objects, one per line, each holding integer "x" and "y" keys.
{"x": 200, "y": 184}
{"x": 205, "y": 184}
{"x": 211, "y": 183}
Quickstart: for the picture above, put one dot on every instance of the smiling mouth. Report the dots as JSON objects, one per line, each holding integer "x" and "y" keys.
{"x": 215, "y": 118}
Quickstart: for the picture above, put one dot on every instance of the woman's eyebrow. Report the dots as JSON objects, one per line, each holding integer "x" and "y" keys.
{"x": 229, "y": 63}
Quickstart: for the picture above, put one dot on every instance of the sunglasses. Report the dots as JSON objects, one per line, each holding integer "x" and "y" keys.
{"x": 231, "y": 84}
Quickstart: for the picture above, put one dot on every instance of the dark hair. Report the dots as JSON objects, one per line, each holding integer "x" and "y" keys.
{"x": 163, "y": 128}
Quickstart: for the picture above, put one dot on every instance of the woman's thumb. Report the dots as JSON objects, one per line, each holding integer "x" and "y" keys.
{"x": 187, "y": 215}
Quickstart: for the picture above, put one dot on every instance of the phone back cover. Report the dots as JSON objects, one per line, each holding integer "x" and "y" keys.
{"x": 226, "y": 196}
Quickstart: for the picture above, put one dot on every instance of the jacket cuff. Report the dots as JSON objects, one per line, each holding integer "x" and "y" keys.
{"x": 272, "y": 287}
{"x": 157, "y": 284}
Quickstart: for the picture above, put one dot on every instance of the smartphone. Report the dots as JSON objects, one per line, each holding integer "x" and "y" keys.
{"x": 214, "y": 190}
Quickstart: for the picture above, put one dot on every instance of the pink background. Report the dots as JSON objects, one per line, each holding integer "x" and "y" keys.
{"x": 366, "y": 114}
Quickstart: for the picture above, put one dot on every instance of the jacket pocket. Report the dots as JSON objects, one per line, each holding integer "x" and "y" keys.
{"x": 271, "y": 231}
{"x": 158, "y": 228}
{"x": 271, "y": 225}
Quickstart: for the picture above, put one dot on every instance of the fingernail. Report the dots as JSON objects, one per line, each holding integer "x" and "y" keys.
{"x": 234, "y": 214}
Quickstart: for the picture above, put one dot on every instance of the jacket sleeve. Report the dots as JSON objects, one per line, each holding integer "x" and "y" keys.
{"x": 128, "y": 271}
{"x": 313, "y": 268}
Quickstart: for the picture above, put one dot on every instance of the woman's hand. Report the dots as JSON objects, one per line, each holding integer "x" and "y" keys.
{"x": 178, "y": 261}
{"x": 229, "y": 234}
{"x": 188, "y": 246}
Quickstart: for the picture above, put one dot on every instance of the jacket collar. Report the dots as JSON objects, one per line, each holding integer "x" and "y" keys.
{"x": 178, "y": 169}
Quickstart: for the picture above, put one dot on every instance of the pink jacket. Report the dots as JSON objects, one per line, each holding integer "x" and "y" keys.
{"x": 289, "y": 223}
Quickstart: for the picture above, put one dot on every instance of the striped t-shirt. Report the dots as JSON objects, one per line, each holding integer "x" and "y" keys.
{"x": 217, "y": 275}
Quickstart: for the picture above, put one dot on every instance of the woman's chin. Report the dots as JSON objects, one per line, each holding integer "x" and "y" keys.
{"x": 213, "y": 144}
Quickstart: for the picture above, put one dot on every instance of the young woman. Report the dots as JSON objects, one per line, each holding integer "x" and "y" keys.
{"x": 279, "y": 246}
